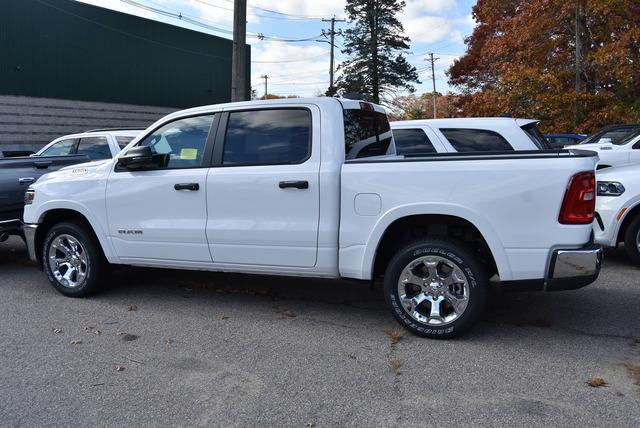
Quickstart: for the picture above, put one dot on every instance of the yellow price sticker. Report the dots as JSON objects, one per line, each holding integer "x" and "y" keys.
{"x": 189, "y": 154}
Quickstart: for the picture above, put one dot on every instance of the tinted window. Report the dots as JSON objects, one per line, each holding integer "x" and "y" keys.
{"x": 366, "y": 133}
{"x": 61, "y": 148}
{"x": 95, "y": 148}
{"x": 123, "y": 141}
{"x": 412, "y": 142}
{"x": 616, "y": 134}
{"x": 476, "y": 140}
{"x": 536, "y": 136}
{"x": 267, "y": 137}
{"x": 183, "y": 141}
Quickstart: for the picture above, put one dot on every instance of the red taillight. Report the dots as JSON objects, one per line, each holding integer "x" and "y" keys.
{"x": 579, "y": 200}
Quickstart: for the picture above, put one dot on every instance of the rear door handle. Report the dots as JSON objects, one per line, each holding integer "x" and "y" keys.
{"x": 187, "y": 186}
{"x": 302, "y": 184}
{"x": 26, "y": 180}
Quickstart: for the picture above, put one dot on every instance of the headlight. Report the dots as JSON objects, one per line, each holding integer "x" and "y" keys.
{"x": 610, "y": 188}
{"x": 29, "y": 196}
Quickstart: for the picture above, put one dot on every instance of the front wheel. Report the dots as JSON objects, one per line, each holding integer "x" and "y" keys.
{"x": 632, "y": 240}
{"x": 72, "y": 260}
{"x": 436, "y": 288}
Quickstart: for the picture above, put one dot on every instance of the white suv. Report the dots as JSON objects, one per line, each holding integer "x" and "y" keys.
{"x": 96, "y": 144}
{"x": 486, "y": 134}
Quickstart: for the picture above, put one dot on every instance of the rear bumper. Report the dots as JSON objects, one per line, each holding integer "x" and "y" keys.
{"x": 574, "y": 268}
{"x": 569, "y": 269}
{"x": 29, "y": 231}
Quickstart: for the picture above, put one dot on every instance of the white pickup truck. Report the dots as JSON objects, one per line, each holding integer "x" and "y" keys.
{"x": 312, "y": 188}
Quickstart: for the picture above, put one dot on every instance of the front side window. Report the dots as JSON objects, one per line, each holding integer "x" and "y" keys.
{"x": 367, "y": 133}
{"x": 412, "y": 142}
{"x": 95, "y": 148}
{"x": 123, "y": 141}
{"x": 267, "y": 137}
{"x": 62, "y": 148}
{"x": 476, "y": 140}
{"x": 183, "y": 141}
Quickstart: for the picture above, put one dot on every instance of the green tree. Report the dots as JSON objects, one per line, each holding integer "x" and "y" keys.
{"x": 375, "y": 43}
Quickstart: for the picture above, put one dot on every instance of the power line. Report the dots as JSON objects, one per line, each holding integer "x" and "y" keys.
{"x": 292, "y": 15}
{"x": 291, "y": 60}
{"x": 292, "y": 18}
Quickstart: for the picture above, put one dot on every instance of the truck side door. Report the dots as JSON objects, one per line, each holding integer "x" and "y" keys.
{"x": 159, "y": 214}
{"x": 263, "y": 195}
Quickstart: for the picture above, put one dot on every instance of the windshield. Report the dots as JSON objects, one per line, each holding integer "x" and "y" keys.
{"x": 367, "y": 133}
{"x": 616, "y": 135}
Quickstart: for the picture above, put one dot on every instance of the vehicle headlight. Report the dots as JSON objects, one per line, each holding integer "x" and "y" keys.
{"x": 29, "y": 196}
{"x": 610, "y": 188}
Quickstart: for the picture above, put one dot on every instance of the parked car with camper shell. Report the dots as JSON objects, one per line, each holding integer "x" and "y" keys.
{"x": 313, "y": 188}
{"x": 488, "y": 134}
{"x": 618, "y": 209}
{"x": 625, "y": 151}
{"x": 17, "y": 173}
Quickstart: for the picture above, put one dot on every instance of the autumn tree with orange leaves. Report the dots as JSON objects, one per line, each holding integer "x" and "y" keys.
{"x": 522, "y": 60}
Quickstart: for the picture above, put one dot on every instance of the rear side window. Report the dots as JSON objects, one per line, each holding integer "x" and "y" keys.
{"x": 366, "y": 134}
{"x": 536, "y": 136}
{"x": 96, "y": 148}
{"x": 62, "y": 148}
{"x": 476, "y": 140}
{"x": 267, "y": 137}
{"x": 412, "y": 142}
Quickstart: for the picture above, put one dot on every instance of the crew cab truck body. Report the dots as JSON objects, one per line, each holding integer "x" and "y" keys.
{"x": 312, "y": 188}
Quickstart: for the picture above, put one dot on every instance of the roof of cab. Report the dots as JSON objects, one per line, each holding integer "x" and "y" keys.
{"x": 464, "y": 121}
{"x": 327, "y": 101}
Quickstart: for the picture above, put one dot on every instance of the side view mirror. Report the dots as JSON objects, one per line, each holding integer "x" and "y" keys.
{"x": 141, "y": 157}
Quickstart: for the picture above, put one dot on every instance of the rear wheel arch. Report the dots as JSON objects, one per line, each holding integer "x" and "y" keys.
{"x": 412, "y": 227}
{"x": 630, "y": 215}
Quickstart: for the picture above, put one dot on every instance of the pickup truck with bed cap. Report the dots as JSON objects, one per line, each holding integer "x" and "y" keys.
{"x": 313, "y": 188}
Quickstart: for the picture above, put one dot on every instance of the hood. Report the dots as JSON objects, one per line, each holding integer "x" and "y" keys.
{"x": 620, "y": 173}
{"x": 96, "y": 170}
{"x": 594, "y": 147}
{"x": 92, "y": 164}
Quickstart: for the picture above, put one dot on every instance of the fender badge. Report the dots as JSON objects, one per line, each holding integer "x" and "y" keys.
{"x": 79, "y": 171}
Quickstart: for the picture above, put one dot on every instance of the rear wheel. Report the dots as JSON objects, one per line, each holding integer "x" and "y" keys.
{"x": 73, "y": 260}
{"x": 632, "y": 240}
{"x": 436, "y": 288}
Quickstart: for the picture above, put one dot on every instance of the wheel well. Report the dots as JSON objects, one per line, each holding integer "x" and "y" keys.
{"x": 631, "y": 215}
{"x": 407, "y": 229}
{"x": 53, "y": 217}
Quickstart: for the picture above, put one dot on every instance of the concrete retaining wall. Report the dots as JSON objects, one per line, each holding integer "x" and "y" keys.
{"x": 28, "y": 123}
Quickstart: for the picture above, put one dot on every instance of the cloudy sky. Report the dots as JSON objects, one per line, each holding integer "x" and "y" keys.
{"x": 302, "y": 68}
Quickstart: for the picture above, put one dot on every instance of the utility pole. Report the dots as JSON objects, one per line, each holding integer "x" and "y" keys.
{"x": 239, "y": 58}
{"x": 433, "y": 60}
{"x": 331, "y": 34}
{"x": 265, "y": 77}
{"x": 579, "y": 30}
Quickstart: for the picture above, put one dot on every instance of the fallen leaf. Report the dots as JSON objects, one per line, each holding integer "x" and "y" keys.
{"x": 311, "y": 424}
{"x": 395, "y": 365}
{"x": 120, "y": 368}
{"x": 132, "y": 308}
{"x": 76, "y": 342}
{"x": 88, "y": 328}
{"x": 57, "y": 330}
{"x": 97, "y": 332}
{"x": 634, "y": 372}
{"x": 395, "y": 335}
{"x": 596, "y": 382}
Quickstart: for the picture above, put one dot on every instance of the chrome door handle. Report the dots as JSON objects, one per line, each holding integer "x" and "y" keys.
{"x": 26, "y": 180}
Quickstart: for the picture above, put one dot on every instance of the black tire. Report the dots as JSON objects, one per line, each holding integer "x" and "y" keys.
{"x": 454, "y": 252}
{"x": 631, "y": 238}
{"x": 96, "y": 265}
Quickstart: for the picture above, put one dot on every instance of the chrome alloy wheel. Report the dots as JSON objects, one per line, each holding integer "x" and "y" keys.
{"x": 433, "y": 290}
{"x": 68, "y": 261}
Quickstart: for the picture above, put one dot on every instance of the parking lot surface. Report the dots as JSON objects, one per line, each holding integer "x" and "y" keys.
{"x": 161, "y": 347}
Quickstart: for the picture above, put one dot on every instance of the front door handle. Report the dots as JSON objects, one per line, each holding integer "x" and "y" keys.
{"x": 42, "y": 164}
{"x": 302, "y": 184}
{"x": 26, "y": 180}
{"x": 187, "y": 186}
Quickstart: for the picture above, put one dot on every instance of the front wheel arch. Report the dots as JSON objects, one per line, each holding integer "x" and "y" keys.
{"x": 56, "y": 216}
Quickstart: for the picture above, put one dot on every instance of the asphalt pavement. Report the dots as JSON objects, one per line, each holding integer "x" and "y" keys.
{"x": 176, "y": 348}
